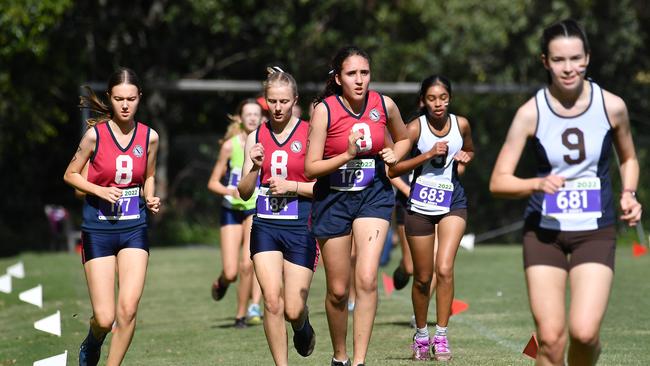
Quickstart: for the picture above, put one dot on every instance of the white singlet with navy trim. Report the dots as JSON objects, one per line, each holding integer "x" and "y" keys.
{"x": 578, "y": 149}
{"x": 438, "y": 174}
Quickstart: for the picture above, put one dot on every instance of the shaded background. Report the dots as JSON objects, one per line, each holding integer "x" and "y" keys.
{"x": 48, "y": 48}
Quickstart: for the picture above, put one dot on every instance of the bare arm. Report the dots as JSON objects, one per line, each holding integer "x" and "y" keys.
{"x": 398, "y": 133}
{"x": 629, "y": 165}
{"x": 503, "y": 182}
{"x": 153, "y": 202}
{"x": 73, "y": 173}
{"x": 466, "y": 154}
{"x": 219, "y": 170}
{"x": 315, "y": 165}
{"x": 253, "y": 158}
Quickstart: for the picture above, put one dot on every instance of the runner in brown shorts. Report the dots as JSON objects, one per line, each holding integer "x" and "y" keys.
{"x": 569, "y": 235}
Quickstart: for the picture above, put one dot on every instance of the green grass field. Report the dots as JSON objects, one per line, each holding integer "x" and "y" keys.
{"x": 180, "y": 324}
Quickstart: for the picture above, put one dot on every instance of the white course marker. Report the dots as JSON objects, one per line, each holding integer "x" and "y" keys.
{"x": 50, "y": 324}
{"x": 467, "y": 241}
{"x": 17, "y": 270}
{"x": 58, "y": 360}
{"x": 5, "y": 283}
{"x": 33, "y": 296}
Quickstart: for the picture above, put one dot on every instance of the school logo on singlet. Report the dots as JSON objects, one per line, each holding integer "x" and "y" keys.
{"x": 296, "y": 146}
{"x": 138, "y": 151}
{"x": 374, "y": 115}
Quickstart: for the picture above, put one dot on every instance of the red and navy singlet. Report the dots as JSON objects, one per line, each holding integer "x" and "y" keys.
{"x": 286, "y": 160}
{"x": 371, "y": 122}
{"x": 125, "y": 168}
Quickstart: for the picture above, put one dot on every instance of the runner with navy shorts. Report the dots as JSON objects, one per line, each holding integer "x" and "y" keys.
{"x": 119, "y": 189}
{"x": 437, "y": 204}
{"x": 353, "y": 194}
{"x": 284, "y": 252}
{"x": 569, "y": 228}
{"x": 236, "y": 215}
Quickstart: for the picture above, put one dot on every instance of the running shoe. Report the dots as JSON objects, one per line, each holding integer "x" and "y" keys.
{"x": 441, "y": 352}
{"x": 351, "y": 305}
{"x": 421, "y": 349}
{"x": 90, "y": 350}
{"x": 305, "y": 339}
{"x": 219, "y": 289}
{"x": 339, "y": 363}
{"x": 400, "y": 278}
{"x": 240, "y": 322}
{"x": 254, "y": 315}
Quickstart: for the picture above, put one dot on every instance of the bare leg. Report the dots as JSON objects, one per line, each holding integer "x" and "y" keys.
{"x": 269, "y": 270}
{"x": 369, "y": 236}
{"x": 546, "y": 293}
{"x": 132, "y": 270}
{"x": 246, "y": 274}
{"x": 336, "y": 260}
{"x": 590, "y": 287}
{"x": 450, "y": 231}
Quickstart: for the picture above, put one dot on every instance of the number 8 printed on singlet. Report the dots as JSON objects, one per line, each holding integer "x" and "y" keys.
{"x": 278, "y": 207}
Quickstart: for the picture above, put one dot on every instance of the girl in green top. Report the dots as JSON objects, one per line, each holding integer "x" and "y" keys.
{"x": 236, "y": 215}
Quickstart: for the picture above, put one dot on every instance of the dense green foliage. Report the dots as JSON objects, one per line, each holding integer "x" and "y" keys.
{"x": 49, "y": 48}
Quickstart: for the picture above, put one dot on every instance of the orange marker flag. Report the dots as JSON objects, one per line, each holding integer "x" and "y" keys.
{"x": 639, "y": 250}
{"x": 389, "y": 286}
{"x": 458, "y": 306}
{"x": 531, "y": 347}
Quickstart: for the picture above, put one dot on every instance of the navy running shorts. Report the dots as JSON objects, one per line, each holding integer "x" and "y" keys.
{"x": 297, "y": 245}
{"x": 105, "y": 244}
{"x": 234, "y": 217}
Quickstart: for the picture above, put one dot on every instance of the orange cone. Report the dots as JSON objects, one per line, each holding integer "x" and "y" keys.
{"x": 531, "y": 347}
{"x": 639, "y": 250}
{"x": 389, "y": 286}
{"x": 458, "y": 306}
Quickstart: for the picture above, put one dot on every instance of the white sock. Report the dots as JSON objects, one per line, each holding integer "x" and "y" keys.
{"x": 422, "y": 332}
{"x": 441, "y": 331}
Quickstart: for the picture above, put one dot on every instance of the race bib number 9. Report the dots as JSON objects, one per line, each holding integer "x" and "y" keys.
{"x": 429, "y": 194}
{"x": 355, "y": 175}
{"x": 127, "y": 207}
{"x": 578, "y": 198}
{"x": 277, "y": 207}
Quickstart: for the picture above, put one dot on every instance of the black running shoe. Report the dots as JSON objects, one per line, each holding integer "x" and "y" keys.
{"x": 90, "y": 350}
{"x": 339, "y": 363}
{"x": 400, "y": 278}
{"x": 240, "y": 322}
{"x": 305, "y": 339}
{"x": 219, "y": 289}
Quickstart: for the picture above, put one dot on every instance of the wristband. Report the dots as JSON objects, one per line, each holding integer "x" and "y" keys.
{"x": 630, "y": 191}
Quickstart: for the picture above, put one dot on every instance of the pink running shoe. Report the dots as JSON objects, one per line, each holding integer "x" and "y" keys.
{"x": 420, "y": 347}
{"x": 441, "y": 350}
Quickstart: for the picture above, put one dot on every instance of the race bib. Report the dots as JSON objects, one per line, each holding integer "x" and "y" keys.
{"x": 355, "y": 175}
{"x": 235, "y": 176}
{"x": 578, "y": 198}
{"x": 278, "y": 207}
{"x": 127, "y": 207}
{"x": 432, "y": 195}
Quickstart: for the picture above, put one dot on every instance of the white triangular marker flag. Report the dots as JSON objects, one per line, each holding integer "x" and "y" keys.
{"x": 467, "y": 241}
{"x": 5, "y": 283}
{"x": 58, "y": 360}
{"x": 17, "y": 270}
{"x": 50, "y": 324}
{"x": 33, "y": 296}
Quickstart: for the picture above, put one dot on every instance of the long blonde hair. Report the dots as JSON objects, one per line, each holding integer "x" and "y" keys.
{"x": 236, "y": 124}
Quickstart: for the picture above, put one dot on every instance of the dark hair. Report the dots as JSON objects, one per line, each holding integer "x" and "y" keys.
{"x": 123, "y": 75}
{"x": 429, "y": 82}
{"x": 564, "y": 28}
{"x": 331, "y": 87}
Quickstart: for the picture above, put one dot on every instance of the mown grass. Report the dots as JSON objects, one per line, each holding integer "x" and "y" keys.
{"x": 179, "y": 323}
